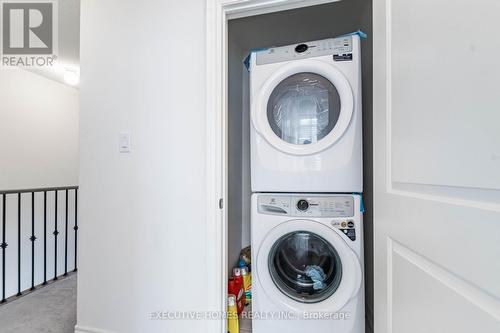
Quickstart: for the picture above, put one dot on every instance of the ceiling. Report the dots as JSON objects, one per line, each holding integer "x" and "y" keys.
{"x": 69, "y": 42}
{"x": 302, "y": 24}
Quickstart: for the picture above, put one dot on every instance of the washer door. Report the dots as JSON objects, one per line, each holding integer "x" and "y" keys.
{"x": 304, "y": 107}
{"x": 305, "y": 266}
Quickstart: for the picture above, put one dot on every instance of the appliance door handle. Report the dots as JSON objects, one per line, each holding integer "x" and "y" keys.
{"x": 273, "y": 209}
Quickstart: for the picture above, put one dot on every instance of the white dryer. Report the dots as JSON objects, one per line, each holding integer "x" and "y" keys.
{"x": 306, "y": 132}
{"x": 307, "y": 263}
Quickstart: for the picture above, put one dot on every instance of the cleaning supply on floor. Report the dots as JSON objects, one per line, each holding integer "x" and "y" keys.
{"x": 242, "y": 263}
{"x": 238, "y": 279}
{"x": 247, "y": 283}
{"x": 236, "y": 289}
{"x": 232, "y": 315}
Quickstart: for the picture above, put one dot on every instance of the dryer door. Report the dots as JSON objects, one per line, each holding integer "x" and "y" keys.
{"x": 305, "y": 266}
{"x": 304, "y": 107}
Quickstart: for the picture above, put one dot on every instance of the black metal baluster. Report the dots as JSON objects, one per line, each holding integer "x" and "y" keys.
{"x": 19, "y": 293}
{"x": 4, "y": 246}
{"x": 32, "y": 239}
{"x": 44, "y": 237}
{"x": 55, "y": 233}
{"x": 66, "y": 238}
{"x": 76, "y": 226}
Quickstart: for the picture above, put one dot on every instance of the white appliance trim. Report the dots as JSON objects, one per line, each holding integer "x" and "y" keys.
{"x": 352, "y": 274}
{"x": 341, "y": 83}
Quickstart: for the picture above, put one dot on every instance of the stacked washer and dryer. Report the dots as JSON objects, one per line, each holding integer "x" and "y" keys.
{"x": 306, "y": 178}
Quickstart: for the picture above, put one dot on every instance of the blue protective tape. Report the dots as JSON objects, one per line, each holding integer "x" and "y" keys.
{"x": 360, "y": 33}
{"x": 246, "y": 62}
{"x": 361, "y": 202}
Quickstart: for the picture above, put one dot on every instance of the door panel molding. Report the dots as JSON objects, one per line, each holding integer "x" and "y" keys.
{"x": 443, "y": 93}
{"x": 474, "y": 197}
{"x": 469, "y": 291}
{"x": 463, "y": 196}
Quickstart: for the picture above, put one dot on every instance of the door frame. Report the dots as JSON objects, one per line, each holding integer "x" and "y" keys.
{"x": 218, "y": 13}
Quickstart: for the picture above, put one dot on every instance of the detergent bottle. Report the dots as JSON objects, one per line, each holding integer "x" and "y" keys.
{"x": 238, "y": 285}
{"x": 247, "y": 283}
{"x": 236, "y": 289}
{"x": 232, "y": 315}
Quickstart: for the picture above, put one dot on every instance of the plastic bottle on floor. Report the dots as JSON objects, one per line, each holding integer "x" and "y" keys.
{"x": 232, "y": 315}
{"x": 238, "y": 278}
{"x": 236, "y": 288}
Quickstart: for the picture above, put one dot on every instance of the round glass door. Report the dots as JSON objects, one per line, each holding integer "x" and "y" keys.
{"x": 303, "y": 108}
{"x": 305, "y": 267}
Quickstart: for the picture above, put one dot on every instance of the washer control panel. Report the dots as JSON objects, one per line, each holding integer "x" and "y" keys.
{"x": 340, "y": 48}
{"x": 306, "y": 206}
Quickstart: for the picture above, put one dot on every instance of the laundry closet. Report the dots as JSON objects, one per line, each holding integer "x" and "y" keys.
{"x": 293, "y": 27}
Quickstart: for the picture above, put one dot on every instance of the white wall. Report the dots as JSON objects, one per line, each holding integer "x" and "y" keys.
{"x": 38, "y": 131}
{"x": 143, "y": 246}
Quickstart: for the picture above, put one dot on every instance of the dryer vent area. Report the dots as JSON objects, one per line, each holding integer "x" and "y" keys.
{"x": 274, "y": 30}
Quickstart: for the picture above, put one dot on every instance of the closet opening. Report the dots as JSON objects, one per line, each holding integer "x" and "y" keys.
{"x": 292, "y": 27}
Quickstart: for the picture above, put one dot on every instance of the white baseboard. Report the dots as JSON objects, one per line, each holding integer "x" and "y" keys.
{"x": 86, "y": 329}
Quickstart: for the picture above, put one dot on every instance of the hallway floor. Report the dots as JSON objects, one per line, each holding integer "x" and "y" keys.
{"x": 51, "y": 309}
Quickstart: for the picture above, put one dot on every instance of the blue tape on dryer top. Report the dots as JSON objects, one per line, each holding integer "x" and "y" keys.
{"x": 360, "y": 33}
{"x": 246, "y": 62}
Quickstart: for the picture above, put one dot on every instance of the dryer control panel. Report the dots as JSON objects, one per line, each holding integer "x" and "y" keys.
{"x": 306, "y": 206}
{"x": 340, "y": 47}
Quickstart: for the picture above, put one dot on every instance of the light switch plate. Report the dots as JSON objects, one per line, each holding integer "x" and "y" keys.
{"x": 124, "y": 142}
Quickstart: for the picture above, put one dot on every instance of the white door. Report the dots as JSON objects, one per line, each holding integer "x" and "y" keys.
{"x": 437, "y": 166}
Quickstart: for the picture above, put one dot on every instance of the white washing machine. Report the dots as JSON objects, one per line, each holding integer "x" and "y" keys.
{"x": 307, "y": 263}
{"x": 306, "y": 132}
